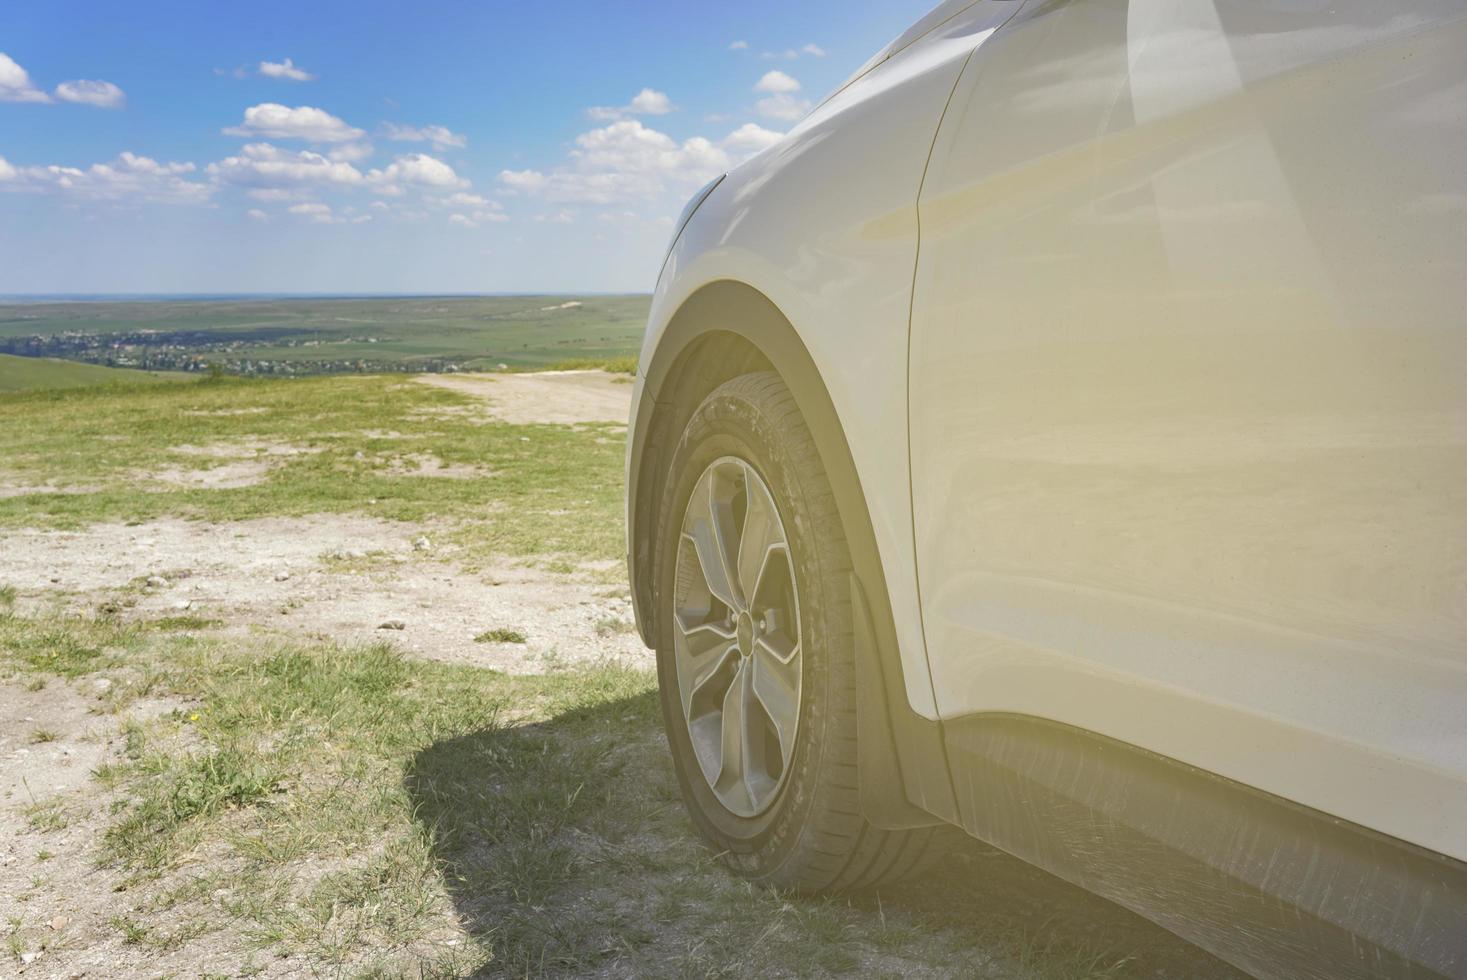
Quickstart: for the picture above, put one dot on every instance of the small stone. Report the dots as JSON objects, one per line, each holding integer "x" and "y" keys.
{"x": 55, "y": 578}
{"x": 371, "y": 500}
{"x": 282, "y": 576}
{"x": 60, "y": 922}
{"x": 157, "y": 582}
{"x": 355, "y": 553}
{"x": 31, "y": 957}
{"x": 393, "y": 624}
{"x": 182, "y": 605}
{"x": 102, "y": 685}
{"x": 422, "y": 544}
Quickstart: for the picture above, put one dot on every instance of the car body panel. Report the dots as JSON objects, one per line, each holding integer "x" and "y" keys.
{"x": 824, "y": 224}
{"x": 1188, "y": 409}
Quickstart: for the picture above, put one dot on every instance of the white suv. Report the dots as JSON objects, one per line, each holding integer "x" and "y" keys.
{"x": 1062, "y": 434}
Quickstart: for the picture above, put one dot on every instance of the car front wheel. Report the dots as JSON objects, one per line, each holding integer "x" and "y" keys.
{"x": 755, "y": 661}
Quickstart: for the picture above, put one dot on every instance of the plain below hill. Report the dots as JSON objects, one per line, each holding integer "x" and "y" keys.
{"x": 33, "y": 373}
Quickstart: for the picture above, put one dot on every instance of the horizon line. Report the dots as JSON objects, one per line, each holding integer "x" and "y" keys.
{"x": 96, "y": 296}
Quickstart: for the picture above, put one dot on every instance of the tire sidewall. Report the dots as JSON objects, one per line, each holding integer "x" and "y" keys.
{"x": 730, "y": 423}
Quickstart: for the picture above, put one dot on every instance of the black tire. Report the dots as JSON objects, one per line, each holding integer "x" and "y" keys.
{"x": 813, "y": 837}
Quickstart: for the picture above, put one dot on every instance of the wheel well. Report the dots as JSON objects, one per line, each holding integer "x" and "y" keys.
{"x": 723, "y": 330}
{"x": 707, "y": 362}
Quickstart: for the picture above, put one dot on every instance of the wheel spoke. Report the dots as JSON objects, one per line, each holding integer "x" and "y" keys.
{"x": 776, "y": 560}
{"x": 762, "y": 533}
{"x": 700, "y": 637}
{"x": 709, "y": 528}
{"x": 733, "y": 761}
{"x": 776, "y": 685}
{"x": 696, "y": 672}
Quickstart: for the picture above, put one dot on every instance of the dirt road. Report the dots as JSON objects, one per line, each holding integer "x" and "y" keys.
{"x": 550, "y": 397}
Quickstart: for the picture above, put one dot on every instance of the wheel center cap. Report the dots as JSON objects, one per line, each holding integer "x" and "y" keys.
{"x": 746, "y": 635}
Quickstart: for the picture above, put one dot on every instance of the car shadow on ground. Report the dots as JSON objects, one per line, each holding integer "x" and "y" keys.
{"x": 567, "y": 852}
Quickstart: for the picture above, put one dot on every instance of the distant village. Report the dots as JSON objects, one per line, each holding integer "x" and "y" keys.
{"x": 197, "y": 350}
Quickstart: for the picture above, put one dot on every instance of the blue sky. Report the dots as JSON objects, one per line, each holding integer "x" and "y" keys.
{"x": 389, "y": 147}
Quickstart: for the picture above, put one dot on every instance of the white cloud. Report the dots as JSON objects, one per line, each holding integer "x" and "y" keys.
{"x": 104, "y": 95}
{"x": 750, "y": 138}
{"x": 15, "y": 83}
{"x": 318, "y": 213}
{"x": 286, "y": 69}
{"x": 477, "y": 217}
{"x": 529, "y": 181}
{"x": 792, "y": 54}
{"x": 381, "y": 206}
{"x": 651, "y": 102}
{"x": 256, "y": 214}
{"x": 351, "y": 152}
{"x": 561, "y": 217}
{"x": 128, "y": 179}
{"x": 785, "y": 108}
{"x": 628, "y": 161}
{"x": 419, "y": 169}
{"x": 465, "y": 200}
{"x": 739, "y": 46}
{"x": 777, "y": 82}
{"x": 441, "y": 137}
{"x": 275, "y": 121}
{"x": 648, "y": 102}
{"x": 275, "y": 174}
{"x": 780, "y": 102}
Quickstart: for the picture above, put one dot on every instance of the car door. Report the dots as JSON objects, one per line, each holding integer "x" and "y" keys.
{"x": 1187, "y": 410}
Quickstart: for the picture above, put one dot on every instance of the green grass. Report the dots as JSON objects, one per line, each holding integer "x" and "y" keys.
{"x": 365, "y": 813}
{"x": 337, "y": 444}
{"x": 615, "y": 365}
{"x": 501, "y": 635}
{"x": 32, "y": 373}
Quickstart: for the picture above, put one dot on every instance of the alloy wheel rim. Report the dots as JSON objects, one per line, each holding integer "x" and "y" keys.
{"x": 736, "y": 636}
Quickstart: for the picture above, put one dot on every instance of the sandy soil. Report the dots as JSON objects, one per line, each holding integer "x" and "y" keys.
{"x": 340, "y": 577}
{"x": 337, "y": 577}
{"x": 557, "y": 397}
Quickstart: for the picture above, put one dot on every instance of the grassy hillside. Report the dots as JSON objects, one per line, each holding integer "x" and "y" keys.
{"x": 34, "y": 373}
{"x": 331, "y": 336}
{"x": 319, "y": 445}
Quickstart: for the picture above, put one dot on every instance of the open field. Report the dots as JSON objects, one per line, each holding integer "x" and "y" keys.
{"x": 337, "y": 677}
{"x": 331, "y": 336}
{"x": 30, "y": 373}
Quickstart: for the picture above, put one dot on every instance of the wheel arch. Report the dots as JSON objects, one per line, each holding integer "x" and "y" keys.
{"x": 724, "y": 329}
